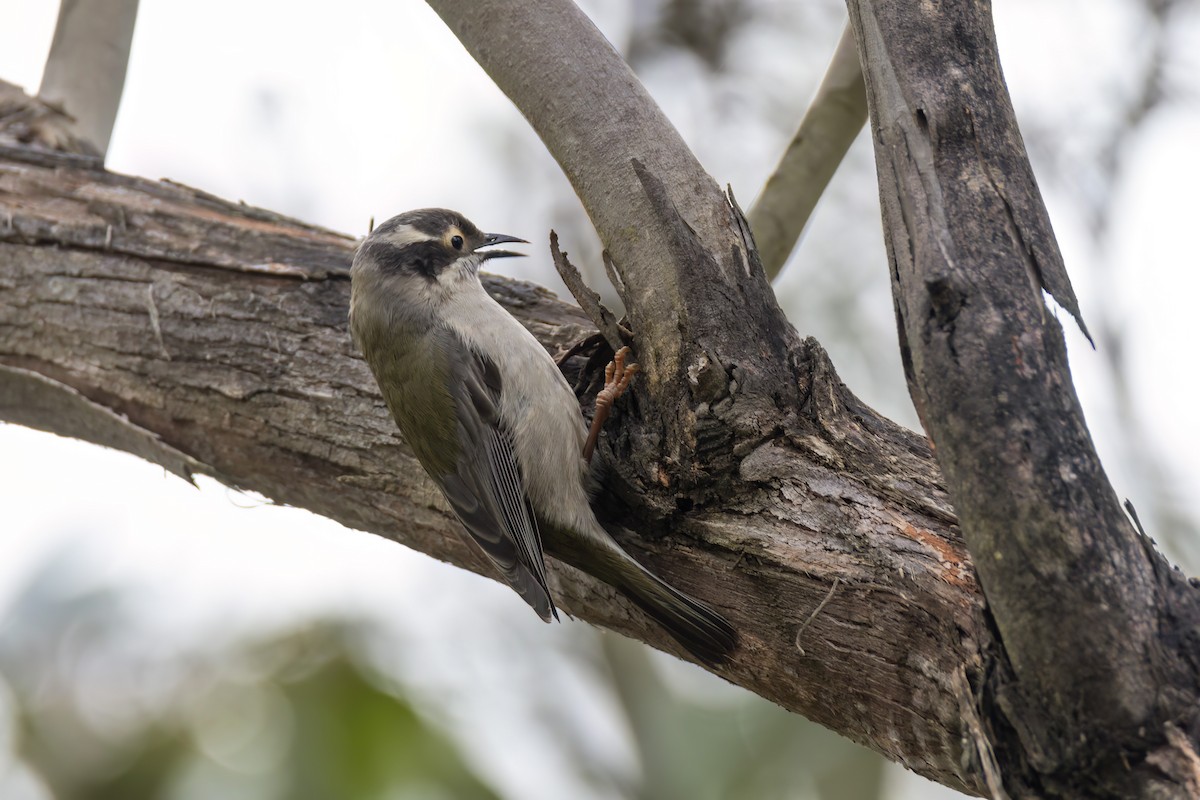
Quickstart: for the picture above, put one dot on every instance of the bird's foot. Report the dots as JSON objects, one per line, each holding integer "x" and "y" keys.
{"x": 617, "y": 376}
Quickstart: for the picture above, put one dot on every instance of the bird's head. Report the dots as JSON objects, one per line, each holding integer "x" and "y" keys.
{"x": 429, "y": 245}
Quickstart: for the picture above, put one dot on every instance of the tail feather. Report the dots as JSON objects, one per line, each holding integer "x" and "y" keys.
{"x": 698, "y": 628}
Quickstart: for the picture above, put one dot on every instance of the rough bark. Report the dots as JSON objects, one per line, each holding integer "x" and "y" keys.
{"x": 211, "y": 337}
{"x": 1100, "y": 649}
{"x": 26, "y": 120}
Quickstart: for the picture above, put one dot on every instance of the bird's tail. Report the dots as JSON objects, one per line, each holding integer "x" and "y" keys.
{"x": 698, "y": 628}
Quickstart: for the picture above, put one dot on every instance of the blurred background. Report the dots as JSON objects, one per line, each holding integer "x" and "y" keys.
{"x": 159, "y": 641}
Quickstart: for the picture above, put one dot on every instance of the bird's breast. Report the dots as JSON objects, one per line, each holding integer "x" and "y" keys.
{"x": 537, "y": 406}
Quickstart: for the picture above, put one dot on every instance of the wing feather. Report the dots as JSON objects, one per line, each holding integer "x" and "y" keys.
{"x": 485, "y": 488}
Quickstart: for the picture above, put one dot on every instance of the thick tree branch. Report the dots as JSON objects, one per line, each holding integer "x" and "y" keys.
{"x": 219, "y": 333}
{"x": 1099, "y": 634}
{"x": 697, "y": 303}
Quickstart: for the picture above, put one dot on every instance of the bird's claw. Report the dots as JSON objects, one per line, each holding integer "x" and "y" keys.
{"x": 617, "y": 376}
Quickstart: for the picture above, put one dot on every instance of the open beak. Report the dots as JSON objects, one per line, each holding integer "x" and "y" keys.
{"x": 490, "y": 239}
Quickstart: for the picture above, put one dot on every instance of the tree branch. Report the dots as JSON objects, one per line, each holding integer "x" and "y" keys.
{"x": 695, "y": 298}
{"x": 1098, "y": 632}
{"x": 829, "y": 127}
{"x": 85, "y": 69}
{"x": 221, "y": 331}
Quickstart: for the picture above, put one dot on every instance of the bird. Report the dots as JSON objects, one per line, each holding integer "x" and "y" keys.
{"x": 491, "y": 419}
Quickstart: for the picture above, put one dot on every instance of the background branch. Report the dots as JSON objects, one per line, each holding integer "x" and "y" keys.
{"x": 830, "y": 125}
{"x": 85, "y": 70}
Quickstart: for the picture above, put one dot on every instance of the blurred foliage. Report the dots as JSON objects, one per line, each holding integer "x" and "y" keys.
{"x": 355, "y": 740}
{"x": 104, "y": 709}
{"x": 701, "y": 27}
{"x": 728, "y": 751}
{"x": 104, "y": 712}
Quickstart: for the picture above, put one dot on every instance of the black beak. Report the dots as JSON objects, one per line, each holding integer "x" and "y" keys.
{"x": 490, "y": 239}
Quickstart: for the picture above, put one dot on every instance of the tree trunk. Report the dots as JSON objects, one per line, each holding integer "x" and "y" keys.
{"x": 1098, "y": 634}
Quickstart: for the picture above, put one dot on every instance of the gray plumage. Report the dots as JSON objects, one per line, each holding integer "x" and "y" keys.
{"x": 492, "y": 420}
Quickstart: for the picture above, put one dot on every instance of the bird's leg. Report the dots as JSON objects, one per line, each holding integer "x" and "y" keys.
{"x": 617, "y": 376}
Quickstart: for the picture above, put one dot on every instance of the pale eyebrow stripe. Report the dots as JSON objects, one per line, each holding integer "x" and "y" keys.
{"x": 405, "y": 234}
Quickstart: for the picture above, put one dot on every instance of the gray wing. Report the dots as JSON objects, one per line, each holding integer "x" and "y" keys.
{"x": 485, "y": 488}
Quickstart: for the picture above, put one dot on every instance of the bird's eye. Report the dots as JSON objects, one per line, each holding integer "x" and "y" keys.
{"x": 456, "y": 242}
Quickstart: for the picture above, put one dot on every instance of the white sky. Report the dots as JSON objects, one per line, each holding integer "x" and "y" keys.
{"x": 335, "y": 116}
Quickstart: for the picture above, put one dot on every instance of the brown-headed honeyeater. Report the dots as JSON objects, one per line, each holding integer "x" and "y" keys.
{"x": 492, "y": 420}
